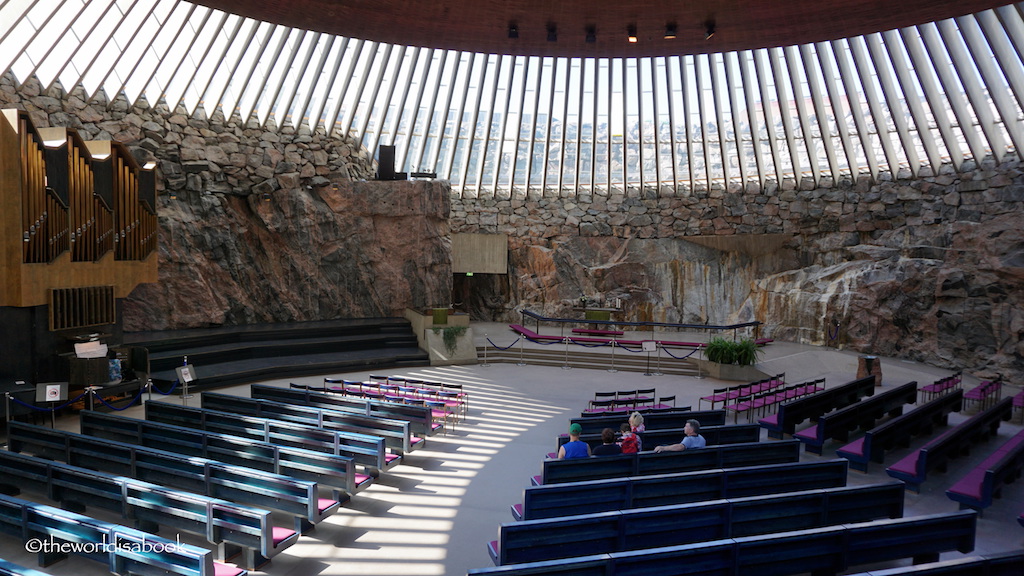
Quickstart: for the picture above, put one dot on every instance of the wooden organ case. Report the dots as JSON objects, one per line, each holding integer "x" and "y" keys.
{"x": 78, "y": 233}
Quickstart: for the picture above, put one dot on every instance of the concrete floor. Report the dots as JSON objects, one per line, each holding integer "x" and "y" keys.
{"x": 434, "y": 514}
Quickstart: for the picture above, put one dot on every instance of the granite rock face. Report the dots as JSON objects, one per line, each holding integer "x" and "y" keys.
{"x": 272, "y": 224}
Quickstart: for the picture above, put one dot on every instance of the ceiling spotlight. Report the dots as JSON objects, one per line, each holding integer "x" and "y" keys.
{"x": 591, "y": 34}
{"x": 709, "y": 29}
{"x": 552, "y": 33}
{"x": 632, "y": 34}
{"x": 513, "y": 30}
{"x": 670, "y": 31}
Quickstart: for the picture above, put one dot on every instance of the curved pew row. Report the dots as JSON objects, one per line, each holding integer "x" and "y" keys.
{"x": 231, "y": 527}
{"x": 621, "y": 530}
{"x": 935, "y": 455}
{"x": 369, "y": 451}
{"x": 792, "y": 413}
{"x": 590, "y": 496}
{"x": 985, "y": 481}
{"x": 650, "y": 463}
{"x": 128, "y": 552}
{"x": 863, "y": 414}
{"x": 420, "y": 418}
{"x": 1004, "y": 564}
{"x": 872, "y": 446}
{"x": 821, "y": 551}
{"x": 297, "y": 498}
{"x": 727, "y": 434}
{"x": 652, "y": 422}
{"x": 12, "y": 569}
{"x": 335, "y": 471}
{"x": 397, "y": 434}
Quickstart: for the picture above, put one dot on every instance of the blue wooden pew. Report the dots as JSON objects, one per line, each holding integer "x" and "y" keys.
{"x": 335, "y": 471}
{"x": 122, "y": 550}
{"x": 590, "y": 496}
{"x": 792, "y": 413}
{"x": 421, "y": 418}
{"x": 935, "y": 455}
{"x": 568, "y": 536}
{"x": 648, "y": 463}
{"x": 658, "y": 421}
{"x": 824, "y": 551}
{"x": 370, "y": 451}
{"x": 397, "y": 434}
{"x": 298, "y": 498}
{"x": 1004, "y": 564}
{"x": 862, "y": 415}
{"x": 984, "y": 482}
{"x": 724, "y": 434}
{"x": 872, "y": 446}
{"x": 231, "y": 527}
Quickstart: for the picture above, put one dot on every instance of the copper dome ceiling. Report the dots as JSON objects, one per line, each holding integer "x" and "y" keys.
{"x": 560, "y": 27}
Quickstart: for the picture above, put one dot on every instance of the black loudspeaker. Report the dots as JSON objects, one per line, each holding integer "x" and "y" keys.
{"x": 386, "y": 163}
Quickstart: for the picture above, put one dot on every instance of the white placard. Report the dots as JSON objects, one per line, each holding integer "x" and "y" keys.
{"x": 649, "y": 345}
{"x": 53, "y": 392}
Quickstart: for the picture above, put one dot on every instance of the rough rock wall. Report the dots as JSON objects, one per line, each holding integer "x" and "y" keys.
{"x": 264, "y": 225}
{"x": 928, "y": 268}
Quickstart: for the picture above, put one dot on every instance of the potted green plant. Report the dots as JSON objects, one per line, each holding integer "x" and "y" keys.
{"x": 732, "y": 360}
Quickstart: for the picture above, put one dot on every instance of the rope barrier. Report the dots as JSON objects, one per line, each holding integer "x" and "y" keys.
{"x": 589, "y": 345}
{"x": 628, "y": 350}
{"x": 541, "y": 342}
{"x": 127, "y": 406}
{"x": 55, "y": 408}
{"x": 833, "y": 335}
{"x": 491, "y": 342}
{"x": 169, "y": 391}
{"x": 679, "y": 357}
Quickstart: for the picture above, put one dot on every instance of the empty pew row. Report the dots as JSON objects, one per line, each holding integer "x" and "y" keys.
{"x": 734, "y": 393}
{"x": 762, "y": 402}
{"x": 124, "y": 551}
{"x": 571, "y": 498}
{"x": 985, "y": 481}
{"x": 233, "y": 528}
{"x": 12, "y": 569}
{"x": 999, "y": 564}
{"x": 792, "y": 413}
{"x": 397, "y": 434}
{"x": 728, "y": 434}
{"x": 824, "y": 551}
{"x": 420, "y": 418}
{"x": 446, "y": 401}
{"x": 370, "y": 451}
{"x": 298, "y": 498}
{"x": 331, "y": 470}
{"x": 671, "y": 420}
{"x": 838, "y": 424}
{"x": 649, "y": 463}
{"x": 898, "y": 431}
{"x": 936, "y": 453}
{"x": 624, "y": 409}
{"x": 549, "y": 539}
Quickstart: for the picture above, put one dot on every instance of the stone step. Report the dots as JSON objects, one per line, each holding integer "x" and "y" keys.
{"x": 624, "y": 362}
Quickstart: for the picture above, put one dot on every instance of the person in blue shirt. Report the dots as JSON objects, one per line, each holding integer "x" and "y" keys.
{"x": 574, "y": 448}
{"x": 691, "y": 441}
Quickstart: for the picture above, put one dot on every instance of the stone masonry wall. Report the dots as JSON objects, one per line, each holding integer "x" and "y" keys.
{"x": 273, "y": 225}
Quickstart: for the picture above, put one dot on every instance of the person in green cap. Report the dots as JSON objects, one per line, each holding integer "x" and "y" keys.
{"x": 574, "y": 448}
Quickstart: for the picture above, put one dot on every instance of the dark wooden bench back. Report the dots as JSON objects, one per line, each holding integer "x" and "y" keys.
{"x": 810, "y": 407}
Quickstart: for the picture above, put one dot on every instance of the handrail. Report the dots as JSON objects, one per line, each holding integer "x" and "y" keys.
{"x": 539, "y": 319}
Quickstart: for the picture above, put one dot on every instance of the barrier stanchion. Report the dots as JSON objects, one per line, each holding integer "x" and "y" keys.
{"x": 485, "y": 364}
{"x": 7, "y": 414}
{"x": 91, "y": 391}
{"x": 521, "y": 361}
{"x": 657, "y": 369}
{"x": 149, "y": 389}
{"x": 612, "y": 369}
{"x": 649, "y": 346}
{"x": 566, "y": 365}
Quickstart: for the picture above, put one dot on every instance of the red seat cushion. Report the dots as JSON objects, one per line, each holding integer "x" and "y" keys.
{"x": 281, "y": 534}
{"x": 222, "y": 569}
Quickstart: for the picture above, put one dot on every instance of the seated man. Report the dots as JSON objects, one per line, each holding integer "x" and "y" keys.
{"x": 692, "y": 440}
{"x": 574, "y": 448}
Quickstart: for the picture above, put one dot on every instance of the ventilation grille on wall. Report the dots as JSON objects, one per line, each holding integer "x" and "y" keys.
{"x": 81, "y": 307}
